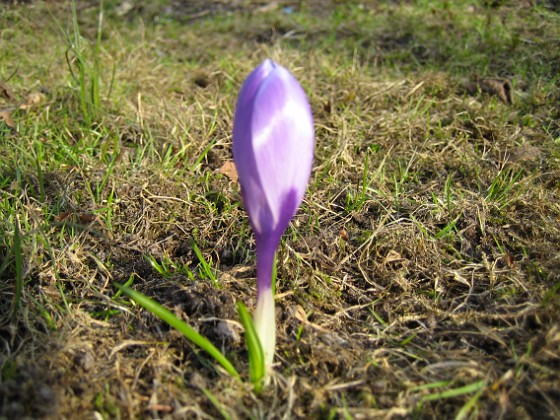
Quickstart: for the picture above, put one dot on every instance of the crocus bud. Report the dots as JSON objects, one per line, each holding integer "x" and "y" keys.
{"x": 273, "y": 145}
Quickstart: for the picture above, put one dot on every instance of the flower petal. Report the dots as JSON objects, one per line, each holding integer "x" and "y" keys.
{"x": 282, "y": 134}
{"x": 273, "y": 146}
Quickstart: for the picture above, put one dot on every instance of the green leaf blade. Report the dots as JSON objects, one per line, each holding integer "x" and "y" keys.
{"x": 257, "y": 368}
{"x": 185, "y": 329}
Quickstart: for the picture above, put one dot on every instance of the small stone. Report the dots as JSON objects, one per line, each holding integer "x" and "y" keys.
{"x": 85, "y": 360}
{"x": 227, "y": 332}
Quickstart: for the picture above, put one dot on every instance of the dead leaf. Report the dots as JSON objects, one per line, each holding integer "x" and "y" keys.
{"x": 500, "y": 88}
{"x": 228, "y": 169}
{"x": 33, "y": 99}
{"x": 6, "y": 92}
{"x": 86, "y": 218}
{"x": 6, "y": 116}
{"x": 62, "y": 216}
{"x": 497, "y": 87}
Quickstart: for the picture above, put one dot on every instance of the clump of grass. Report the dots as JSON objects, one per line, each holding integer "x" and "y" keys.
{"x": 84, "y": 64}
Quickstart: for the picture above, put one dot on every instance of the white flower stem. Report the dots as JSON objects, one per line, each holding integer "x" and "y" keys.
{"x": 265, "y": 324}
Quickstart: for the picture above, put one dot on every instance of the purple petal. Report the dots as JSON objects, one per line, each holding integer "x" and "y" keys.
{"x": 273, "y": 144}
{"x": 282, "y": 130}
{"x": 273, "y": 147}
{"x": 251, "y": 84}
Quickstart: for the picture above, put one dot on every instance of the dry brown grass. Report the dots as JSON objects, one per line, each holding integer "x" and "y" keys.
{"x": 424, "y": 260}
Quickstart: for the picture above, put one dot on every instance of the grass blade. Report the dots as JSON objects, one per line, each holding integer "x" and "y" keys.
{"x": 257, "y": 369}
{"x": 455, "y": 392}
{"x": 126, "y": 285}
{"x": 216, "y": 403}
{"x": 168, "y": 317}
{"x": 469, "y": 405}
{"x": 206, "y": 268}
{"x": 19, "y": 267}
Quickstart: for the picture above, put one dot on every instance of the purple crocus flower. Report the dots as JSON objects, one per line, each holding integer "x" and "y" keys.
{"x": 273, "y": 145}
